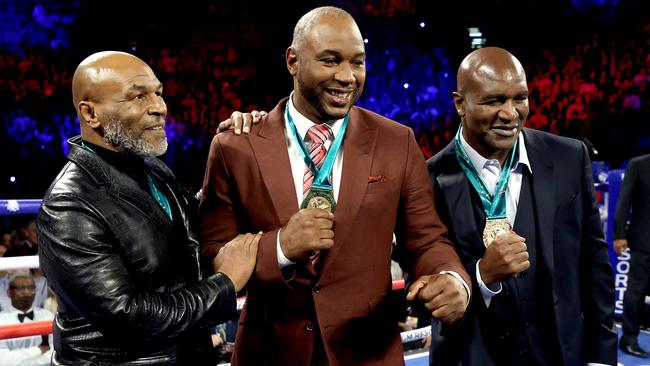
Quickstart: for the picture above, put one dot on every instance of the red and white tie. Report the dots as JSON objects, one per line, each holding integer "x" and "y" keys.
{"x": 317, "y": 151}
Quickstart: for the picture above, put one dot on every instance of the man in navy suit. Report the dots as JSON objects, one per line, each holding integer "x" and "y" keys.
{"x": 521, "y": 210}
{"x": 635, "y": 195}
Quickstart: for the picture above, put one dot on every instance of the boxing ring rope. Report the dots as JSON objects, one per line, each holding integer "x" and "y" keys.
{"x": 31, "y": 206}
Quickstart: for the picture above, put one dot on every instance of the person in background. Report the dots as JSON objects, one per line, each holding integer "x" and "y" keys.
{"x": 34, "y": 350}
{"x": 634, "y": 202}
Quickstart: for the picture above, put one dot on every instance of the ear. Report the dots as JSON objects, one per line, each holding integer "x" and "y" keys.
{"x": 459, "y": 103}
{"x": 88, "y": 114}
{"x": 291, "y": 57}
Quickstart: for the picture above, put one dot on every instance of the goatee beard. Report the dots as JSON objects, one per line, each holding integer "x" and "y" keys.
{"x": 125, "y": 140}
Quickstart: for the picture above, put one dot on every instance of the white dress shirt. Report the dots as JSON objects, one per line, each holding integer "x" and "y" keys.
{"x": 303, "y": 124}
{"x": 24, "y": 350}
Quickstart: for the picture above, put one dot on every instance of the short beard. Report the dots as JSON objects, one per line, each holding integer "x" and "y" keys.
{"x": 126, "y": 141}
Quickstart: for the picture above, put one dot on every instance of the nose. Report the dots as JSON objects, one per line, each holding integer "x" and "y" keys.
{"x": 344, "y": 74}
{"x": 508, "y": 112}
{"x": 158, "y": 107}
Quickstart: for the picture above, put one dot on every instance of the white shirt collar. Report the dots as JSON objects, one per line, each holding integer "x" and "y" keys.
{"x": 303, "y": 124}
{"x": 479, "y": 162}
{"x": 12, "y": 308}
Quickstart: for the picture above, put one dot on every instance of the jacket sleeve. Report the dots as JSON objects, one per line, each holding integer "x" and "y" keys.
{"x": 221, "y": 218}
{"x": 597, "y": 282}
{"x": 625, "y": 201}
{"x": 421, "y": 236}
{"x": 89, "y": 275}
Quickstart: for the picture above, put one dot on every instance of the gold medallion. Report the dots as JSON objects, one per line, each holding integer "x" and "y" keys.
{"x": 494, "y": 228}
{"x": 319, "y": 198}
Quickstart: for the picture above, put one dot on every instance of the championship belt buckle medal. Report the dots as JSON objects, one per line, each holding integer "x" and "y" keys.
{"x": 495, "y": 228}
{"x": 319, "y": 198}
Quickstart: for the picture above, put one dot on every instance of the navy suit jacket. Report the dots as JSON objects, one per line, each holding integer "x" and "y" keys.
{"x": 635, "y": 194}
{"x": 570, "y": 239}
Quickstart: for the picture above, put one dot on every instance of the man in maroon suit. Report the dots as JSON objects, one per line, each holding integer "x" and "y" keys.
{"x": 328, "y": 184}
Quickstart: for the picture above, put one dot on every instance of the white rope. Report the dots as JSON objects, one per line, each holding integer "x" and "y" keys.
{"x": 28, "y": 261}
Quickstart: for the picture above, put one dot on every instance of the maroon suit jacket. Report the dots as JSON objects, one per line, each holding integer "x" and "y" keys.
{"x": 248, "y": 187}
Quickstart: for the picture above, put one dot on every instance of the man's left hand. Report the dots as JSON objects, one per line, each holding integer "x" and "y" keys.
{"x": 443, "y": 294}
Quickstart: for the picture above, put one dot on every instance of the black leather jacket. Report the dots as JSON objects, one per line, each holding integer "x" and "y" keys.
{"x": 126, "y": 277}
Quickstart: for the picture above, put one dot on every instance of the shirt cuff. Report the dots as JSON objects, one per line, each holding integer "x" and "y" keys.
{"x": 597, "y": 364}
{"x": 282, "y": 260}
{"x": 486, "y": 291}
{"x": 459, "y": 278}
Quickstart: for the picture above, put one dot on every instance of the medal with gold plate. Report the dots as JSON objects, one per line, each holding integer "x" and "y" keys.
{"x": 321, "y": 192}
{"x": 319, "y": 198}
{"x": 493, "y": 200}
{"x": 495, "y": 228}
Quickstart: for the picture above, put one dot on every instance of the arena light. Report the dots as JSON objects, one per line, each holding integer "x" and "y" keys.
{"x": 476, "y": 36}
{"x": 422, "y": 24}
{"x": 12, "y": 179}
{"x": 406, "y": 85}
{"x": 365, "y": 40}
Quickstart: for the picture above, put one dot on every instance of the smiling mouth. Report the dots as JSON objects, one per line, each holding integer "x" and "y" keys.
{"x": 156, "y": 128}
{"x": 340, "y": 97}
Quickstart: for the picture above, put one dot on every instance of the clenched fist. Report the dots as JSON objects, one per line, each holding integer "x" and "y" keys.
{"x": 442, "y": 294}
{"x": 506, "y": 256}
{"x": 307, "y": 232}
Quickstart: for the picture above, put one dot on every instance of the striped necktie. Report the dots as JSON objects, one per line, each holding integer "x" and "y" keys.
{"x": 317, "y": 151}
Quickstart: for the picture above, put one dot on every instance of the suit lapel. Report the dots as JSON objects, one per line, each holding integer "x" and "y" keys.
{"x": 457, "y": 192}
{"x": 270, "y": 149}
{"x": 358, "y": 150}
{"x": 543, "y": 190}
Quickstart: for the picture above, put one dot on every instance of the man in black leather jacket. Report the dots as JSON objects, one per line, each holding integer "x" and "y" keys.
{"x": 115, "y": 234}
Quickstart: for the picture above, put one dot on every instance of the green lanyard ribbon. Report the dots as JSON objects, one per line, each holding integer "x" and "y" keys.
{"x": 321, "y": 176}
{"x": 494, "y": 205}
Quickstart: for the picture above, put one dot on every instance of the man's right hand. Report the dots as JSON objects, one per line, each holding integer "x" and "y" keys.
{"x": 241, "y": 122}
{"x": 307, "y": 232}
{"x": 620, "y": 245}
{"x": 507, "y": 255}
{"x": 237, "y": 259}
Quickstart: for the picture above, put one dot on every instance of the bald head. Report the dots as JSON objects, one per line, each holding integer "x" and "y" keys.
{"x": 98, "y": 69}
{"x": 119, "y": 102}
{"x": 492, "y": 101}
{"x": 307, "y": 22}
{"x": 488, "y": 64}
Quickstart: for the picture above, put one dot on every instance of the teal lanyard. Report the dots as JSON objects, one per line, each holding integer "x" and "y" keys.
{"x": 322, "y": 175}
{"x": 157, "y": 194}
{"x": 494, "y": 205}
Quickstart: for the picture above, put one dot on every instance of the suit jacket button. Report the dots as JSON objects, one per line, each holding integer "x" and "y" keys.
{"x": 316, "y": 288}
{"x": 310, "y": 327}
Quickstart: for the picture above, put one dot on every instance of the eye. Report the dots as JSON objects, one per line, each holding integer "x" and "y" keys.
{"x": 329, "y": 61}
{"x": 358, "y": 62}
{"x": 140, "y": 97}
